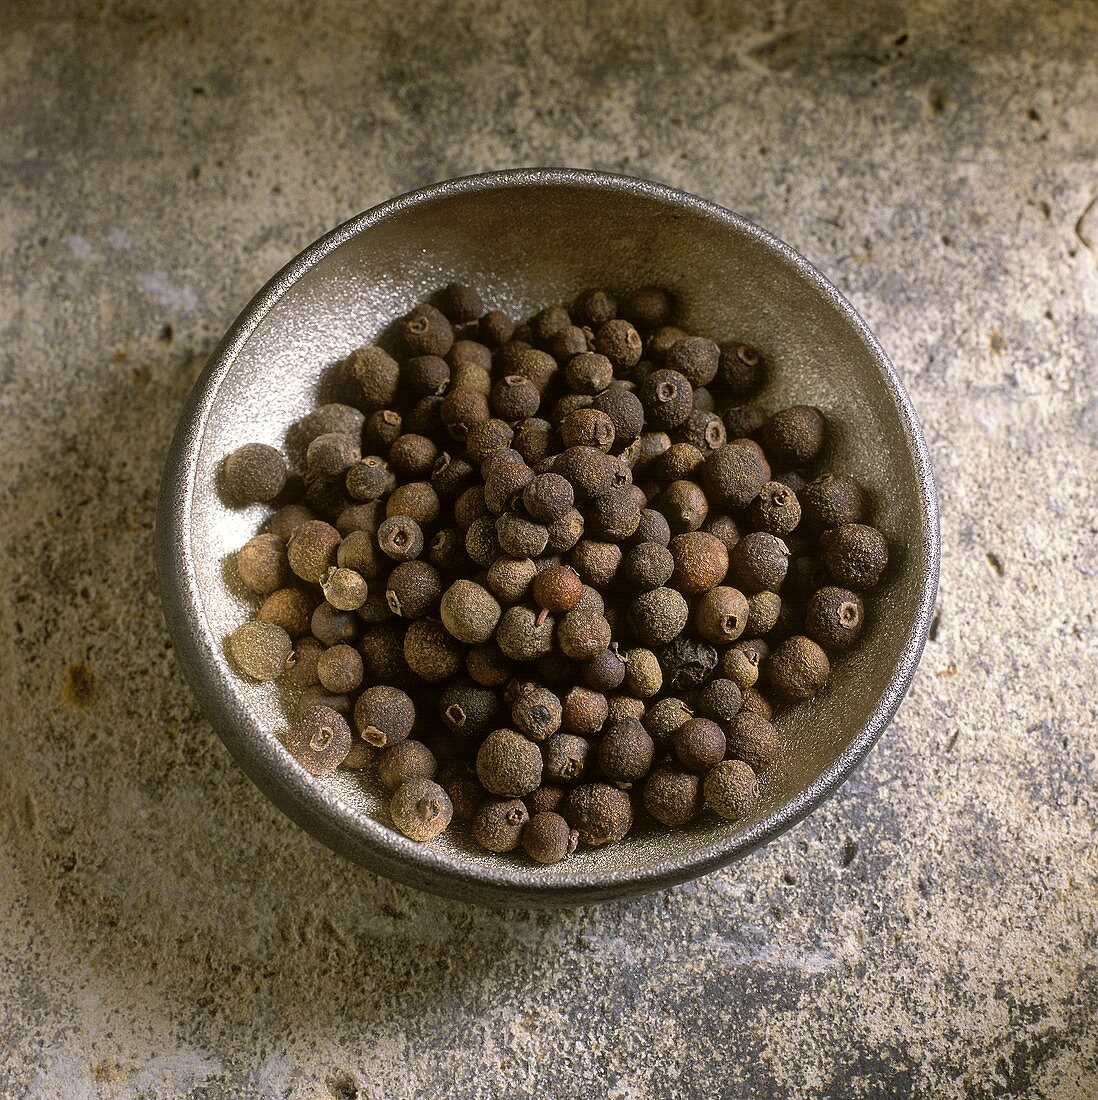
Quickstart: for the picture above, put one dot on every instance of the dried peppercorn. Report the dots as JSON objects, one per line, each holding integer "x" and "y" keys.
{"x": 646, "y": 566}
{"x": 587, "y": 427}
{"x": 740, "y": 662}
{"x": 764, "y": 611}
{"x": 855, "y": 554}
{"x": 776, "y": 509}
{"x": 548, "y": 838}
{"x": 333, "y": 626}
{"x": 514, "y": 397}
{"x": 421, "y": 809}
{"x": 508, "y": 764}
{"x": 254, "y": 473}
{"x": 569, "y": 342}
{"x": 659, "y": 616}
{"x": 362, "y": 516}
{"x": 425, "y": 416}
{"x": 722, "y": 615}
{"x": 469, "y": 710}
{"x": 510, "y": 579}
{"x": 806, "y": 573}
{"x": 598, "y": 812}
{"x": 287, "y": 518}
{"x": 532, "y": 438}
{"x": 332, "y": 455}
{"x": 667, "y": 397}
{"x": 701, "y": 561}
{"x": 565, "y": 757}
{"x": 699, "y": 743}
{"x": 583, "y": 711}
{"x": 384, "y": 715}
{"x": 431, "y": 651}
{"x": 370, "y": 478}
{"x": 664, "y": 717}
{"x": 459, "y": 780}
{"x": 758, "y": 561}
{"x": 754, "y": 702}
{"x": 359, "y": 552}
{"x": 672, "y": 796}
{"x": 332, "y": 417}
{"x": 403, "y": 761}
{"x": 504, "y": 485}
{"x": 400, "y": 538}
{"x": 620, "y": 342}
{"x": 536, "y": 712}
{"x": 311, "y": 549}
{"x": 588, "y": 372}
{"x": 615, "y": 515}
{"x": 488, "y": 436}
{"x": 344, "y": 589}
{"x": 546, "y": 324}
{"x": 369, "y": 377}
{"x": 794, "y": 436}
{"x": 590, "y": 472}
{"x": 415, "y": 500}
{"x": 498, "y": 824}
{"x": 289, "y": 608}
{"x": 684, "y": 506}
{"x": 732, "y": 476}
{"x": 480, "y": 541}
{"x": 582, "y": 634}
{"x": 488, "y": 666}
{"x": 557, "y": 588}
{"x": 702, "y": 429}
{"x": 625, "y": 706}
{"x": 339, "y": 669}
{"x": 546, "y": 799}
{"x": 412, "y": 456}
{"x": 319, "y": 740}
{"x": 643, "y": 674}
{"x": 798, "y": 668}
{"x": 605, "y": 670}
{"x": 832, "y": 501}
{"x": 524, "y": 634}
{"x": 626, "y": 752}
{"x": 382, "y": 649}
{"x": 731, "y": 789}
{"x": 460, "y": 409}
{"x": 426, "y": 331}
{"x": 720, "y": 700}
{"x": 469, "y": 612}
{"x": 595, "y": 307}
{"x": 653, "y": 527}
{"x": 754, "y": 740}
{"x": 495, "y": 328}
{"x": 624, "y": 410}
{"x": 262, "y": 565}
{"x": 743, "y": 421}
{"x": 740, "y": 369}
{"x": 694, "y": 357}
{"x": 412, "y": 589}
{"x": 595, "y": 561}
{"x": 383, "y": 427}
{"x": 834, "y": 617}
{"x": 649, "y": 307}
{"x": 540, "y": 367}
{"x": 461, "y": 304}
{"x": 259, "y": 650}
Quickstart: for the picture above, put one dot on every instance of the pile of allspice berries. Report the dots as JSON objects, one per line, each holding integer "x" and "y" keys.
{"x": 549, "y": 578}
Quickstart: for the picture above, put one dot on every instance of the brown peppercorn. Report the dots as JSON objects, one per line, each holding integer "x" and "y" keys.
{"x": 720, "y": 700}
{"x": 333, "y": 626}
{"x": 625, "y": 412}
{"x": 359, "y": 551}
{"x": 470, "y": 506}
{"x": 508, "y": 764}
{"x": 725, "y": 528}
{"x": 533, "y": 437}
{"x": 369, "y": 377}
{"x": 565, "y": 756}
{"x": 300, "y": 666}
{"x": 480, "y": 541}
{"x": 672, "y": 796}
{"x": 659, "y": 616}
{"x": 487, "y": 437}
{"x": 758, "y": 561}
{"x": 583, "y": 712}
{"x": 319, "y": 740}
{"x": 626, "y": 706}
{"x": 311, "y": 549}
{"x": 403, "y": 761}
{"x": 643, "y": 675}
{"x": 667, "y": 397}
{"x": 626, "y": 752}
{"x": 519, "y": 537}
{"x": 459, "y": 780}
{"x": 743, "y": 421}
{"x": 400, "y": 538}
{"x": 461, "y": 304}
{"x": 649, "y": 307}
{"x": 384, "y": 715}
{"x": 339, "y": 669}
{"x": 605, "y": 671}
{"x": 732, "y": 476}
{"x": 461, "y": 408}
{"x": 495, "y": 328}
{"x": 615, "y": 516}
{"x": 317, "y": 696}
{"x": 653, "y": 527}
{"x": 834, "y": 618}
{"x": 582, "y": 634}
{"x": 569, "y": 342}
{"x": 806, "y": 573}
{"x": 469, "y": 612}
{"x": 451, "y": 476}
{"x": 589, "y": 470}
{"x": 510, "y": 579}
{"x": 661, "y": 342}
{"x": 344, "y": 589}
{"x": 382, "y": 649}
{"x": 699, "y": 743}
{"x": 412, "y": 456}
{"x": 702, "y": 429}
{"x": 426, "y": 331}
{"x": 504, "y": 485}
{"x": 332, "y": 455}
{"x": 288, "y": 608}
{"x": 754, "y": 702}
{"x": 679, "y": 462}
{"x": 332, "y": 417}
{"x": 794, "y": 436}
{"x": 646, "y": 566}
{"x": 498, "y": 824}
{"x": 546, "y": 799}
{"x": 588, "y": 372}
{"x": 664, "y": 717}
{"x": 365, "y": 516}
{"x": 587, "y": 427}
{"x": 262, "y": 565}
{"x": 557, "y": 588}
{"x": 740, "y": 369}
{"x": 382, "y": 429}
{"x": 798, "y": 668}
{"x": 701, "y": 561}
{"x": 412, "y": 589}
{"x": 722, "y": 615}
{"x": 425, "y": 416}
{"x": 536, "y": 712}
{"x": 595, "y": 307}
{"x": 776, "y": 509}
{"x": 695, "y": 358}
{"x": 731, "y": 789}
{"x": 470, "y": 711}
{"x": 514, "y": 397}
{"x": 740, "y": 663}
{"x": 855, "y": 554}
{"x": 599, "y": 813}
{"x": 596, "y": 562}
{"x": 287, "y": 518}
{"x": 370, "y": 478}
{"x": 254, "y": 473}
{"x": 524, "y": 634}
{"x": 548, "y": 497}
{"x": 764, "y": 610}
{"x": 565, "y": 532}
{"x": 431, "y": 651}
{"x": 620, "y": 342}
{"x": 832, "y": 501}
{"x": 421, "y": 809}
{"x": 415, "y": 500}
{"x": 684, "y": 505}
{"x": 540, "y": 367}
{"x": 548, "y": 838}
{"x": 259, "y": 650}
{"x": 546, "y": 324}
{"x": 753, "y": 740}
{"x": 487, "y": 665}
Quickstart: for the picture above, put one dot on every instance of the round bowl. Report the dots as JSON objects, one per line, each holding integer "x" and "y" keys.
{"x": 529, "y": 238}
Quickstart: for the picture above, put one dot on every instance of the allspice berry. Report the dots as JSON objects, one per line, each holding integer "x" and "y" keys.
{"x": 332, "y": 626}
{"x": 643, "y": 675}
{"x": 620, "y": 342}
{"x": 625, "y": 412}
{"x": 536, "y": 712}
{"x": 684, "y": 505}
{"x": 498, "y": 824}
{"x": 798, "y": 668}
{"x": 558, "y": 588}
{"x": 855, "y": 554}
{"x": 344, "y": 588}
{"x": 254, "y": 473}
{"x": 599, "y": 813}
{"x": 754, "y": 702}
{"x": 758, "y": 561}
{"x": 590, "y": 472}
{"x": 732, "y": 476}
{"x": 672, "y": 796}
{"x": 259, "y": 650}
{"x": 510, "y": 579}
{"x": 696, "y": 358}
{"x": 565, "y": 756}
{"x": 626, "y": 752}
{"x": 582, "y": 634}
{"x": 547, "y": 497}
{"x": 583, "y": 712}
{"x": 832, "y": 501}
{"x": 311, "y": 549}
{"x": 340, "y": 669}
{"x": 753, "y": 739}
{"x": 595, "y": 561}
{"x": 331, "y": 455}
{"x": 720, "y": 700}
{"x": 261, "y": 564}
{"x": 740, "y": 370}
{"x": 667, "y": 397}
{"x": 587, "y": 427}
{"x": 370, "y": 377}
{"x": 289, "y": 608}
{"x": 605, "y": 670}
{"x": 370, "y": 478}
{"x": 525, "y": 634}
{"x": 595, "y": 307}
{"x": 400, "y": 538}
{"x": 764, "y": 610}
{"x": 794, "y": 436}
{"x": 508, "y": 764}
{"x": 426, "y": 331}
{"x": 469, "y": 612}
{"x": 403, "y": 761}
{"x": 421, "y": 809}
{"x": 548, "y": 838}
{"x": 699, "y": 743}
{"x": 384, "y": 715}
{"x": 319, "y": 740}
{"x": 649, "y": 307}
{"x": 740, "y": 663}
{"x": 461, "y": 304}
{"x": 659, "y": 616}
{"x": 731, "y": 789}
{"x": 722, "y": 615}
{"x": 701, "y": 561}
{"x": 588, "y": 372}
{"x": 664, "y": 717}
{"x": 431, "y": 651}
{"x": 646, "y": 566}
{"x": 835, "y": 617}
{"x": 776, "y": 509}
{"x": 412, "y": 589}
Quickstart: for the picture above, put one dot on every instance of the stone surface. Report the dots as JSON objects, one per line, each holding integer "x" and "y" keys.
{"x": 164, "y": 931}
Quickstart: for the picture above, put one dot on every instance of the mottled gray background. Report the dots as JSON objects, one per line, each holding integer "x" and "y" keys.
{"x": 164, "y": 931}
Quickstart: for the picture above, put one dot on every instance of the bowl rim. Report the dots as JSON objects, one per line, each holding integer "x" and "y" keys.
{"x": 367, "y": 840}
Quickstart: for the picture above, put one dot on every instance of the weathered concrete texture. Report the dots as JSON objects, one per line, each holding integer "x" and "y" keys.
{"x": 164, "y": 931}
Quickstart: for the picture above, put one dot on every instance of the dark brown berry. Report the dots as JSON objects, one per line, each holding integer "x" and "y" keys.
{"x": 605, "y": 670}
{"x": 546, "y": 324}
{"x": 333, "y": 626}
{"x": 498, "y": 824}
{"x": 794, "y": 436}
{"x": 403, "y": 761}
{"x": 311, "y": 549}
{"x": 699, "y": 744}
{"x": 732, "y": 476}
{"x": 625, "y": 412}
{"x": 370, "y": 377}
{"x": 649, "y": 307}
{"x": 667, "y": 397}
{"x": 370, "y": 478}
{"x": 695, "y": 358}
{"x": 758, "y": 561}
{"x": 469, "y": 710}
{"x": 426, "y": 331}
{"x": 646, "y": 566}
{"x": 254, "y": 473}
{"x": 558, "y": 588}
{"x": 703, "y": 430}
{"x": 583, "y": 712}
{"x": 832, "y": 501}
{"x": 504, "y": 484}
{"x": 413, "y": 456}
{"x": 595, "y": 307}
{"x": 421, "y": 809}
{"x": 289, "y": 608}
{"x": 659, "y": 616}
{"x": 587, "y": 427}
{"x": 687, "y": 663}
{"x": 590, "y": 472}
{"x": 835, "y": 617}
{"x": 461, "y": 304}
{"x": 514, "y": 397}
{"x": 259, "y": 650}
{"x": 731, "y": 789}
{"x": 487, "y": 665}
{"x": 672, "y": 796}
{"x": 469, "y": 612}
{"x": 701, "y": 561}
{"x": 620, "y": 342}
{"x": 798, "y": 668}
{"x": 400, "y": 538}
{"x": 776, "y": 509}
{"x": 855, "y": 555}
{"x": 431, "y": 651}
{"x": 565, "y": 756}
{"x": 722, "y": 615}
{"x": 595, "y": 561}
{"x": 508, "y": 764}
{"x": 339, "y": 669}
{"x": 548, "y": 838}
{"x": 461, "y": 408}
{"x": 360, "y": 552}
{"x": 740, "y": 370}
{"x": 384, "y": 715}
{"x": 720, "y": 700}
{"x": 536, "y": 712}
{"x": 753, "y": 739}
{"x": 262, "y": 565}
{"x": 495, "y": 328}
{"x": 684, "y": 505}
{"x": 626, "y": 752}
{"x": 664, "y": 717}
{"x": 524, "y": 634}
{"x": 764, "y": 610}
{"x": 754, "y": 702}
{"x": 319, "y": 740}
{"x": 599, "y": 813}
{"x": 412, "y": 589}
{"x": 588, "y": 372}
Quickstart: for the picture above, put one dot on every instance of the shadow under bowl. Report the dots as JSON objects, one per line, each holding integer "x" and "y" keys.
{"x": 526, "y": 239}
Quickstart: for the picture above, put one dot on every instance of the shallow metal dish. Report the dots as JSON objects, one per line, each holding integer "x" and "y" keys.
{"x": 529, "y": 238}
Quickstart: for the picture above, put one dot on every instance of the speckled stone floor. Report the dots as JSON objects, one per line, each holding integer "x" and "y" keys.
{"x": 164, "y": 931}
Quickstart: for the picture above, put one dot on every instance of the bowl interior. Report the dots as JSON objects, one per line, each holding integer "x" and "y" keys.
{"x": 526, "y": 242}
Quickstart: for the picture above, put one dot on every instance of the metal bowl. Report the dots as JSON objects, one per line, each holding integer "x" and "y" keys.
{"x": 529, "y": 238}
